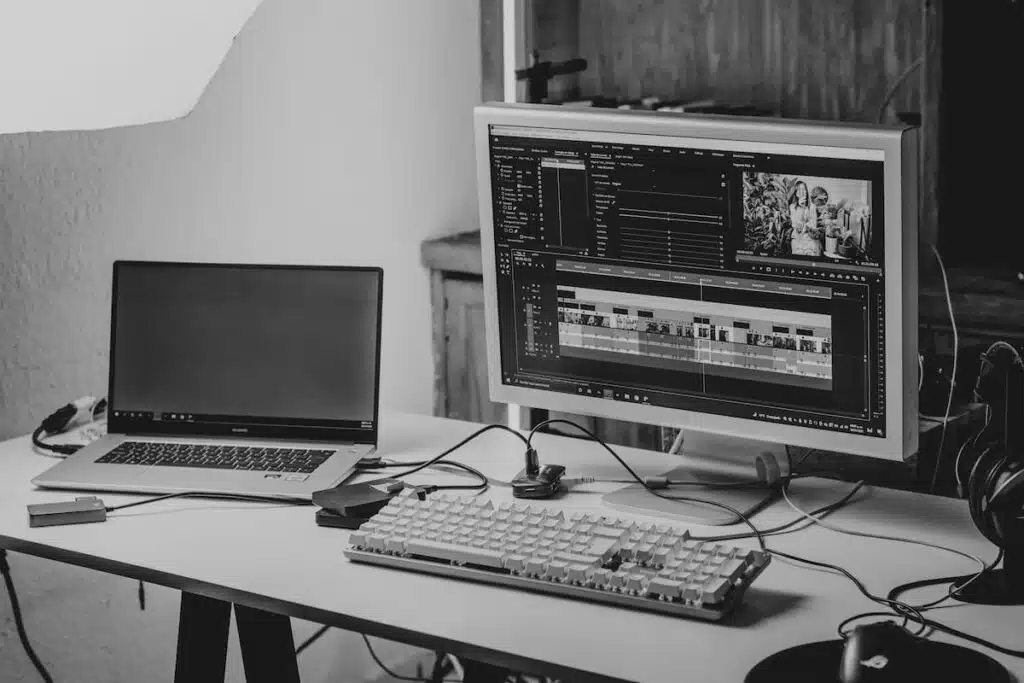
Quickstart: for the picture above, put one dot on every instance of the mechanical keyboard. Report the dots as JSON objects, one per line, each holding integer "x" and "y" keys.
{"x": 654, "y": 567}
{"x": 221, "y": 457}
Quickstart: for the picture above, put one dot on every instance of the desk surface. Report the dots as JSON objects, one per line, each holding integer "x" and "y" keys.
{"x": 274, "y": 557}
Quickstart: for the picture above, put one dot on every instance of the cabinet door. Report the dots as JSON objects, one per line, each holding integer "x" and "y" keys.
{"x": 465, "y": 351}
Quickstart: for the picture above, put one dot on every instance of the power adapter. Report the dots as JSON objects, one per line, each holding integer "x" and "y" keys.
{"x": 81, "y": 510}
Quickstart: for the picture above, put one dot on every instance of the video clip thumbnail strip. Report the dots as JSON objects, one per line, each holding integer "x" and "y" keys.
{"x": 786, "y": 347}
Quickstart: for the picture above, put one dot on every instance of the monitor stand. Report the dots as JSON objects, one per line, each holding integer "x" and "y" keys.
{"x": 707, "y": 459}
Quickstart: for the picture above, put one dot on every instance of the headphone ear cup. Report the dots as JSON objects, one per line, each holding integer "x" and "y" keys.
{"x": 1006, "y": 505}
{"x": 1009, "y": 488}
{"x": 987, "y": 466}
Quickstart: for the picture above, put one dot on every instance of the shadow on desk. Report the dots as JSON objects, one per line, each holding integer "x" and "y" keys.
{"x": 760, "y": 606}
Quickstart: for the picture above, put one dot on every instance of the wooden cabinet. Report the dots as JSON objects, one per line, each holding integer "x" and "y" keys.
{"x": 459, "y": 347}
{"x": 465, "y": 394}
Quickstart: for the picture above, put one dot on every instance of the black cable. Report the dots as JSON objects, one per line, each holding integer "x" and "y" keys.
{"x": 862, "y": 615}
{"x": 427, "y": 463}
{"x": 484, "y": 482}
{"x": 901, "y": 608}
{"x": 216, "y": 496}
{"x": 58, "y": 422}
{"x": 939, "y": 626}
{"x": 312, "y": 639}
{"x": 384, "y": 465}
{"x": 823, "y": 511}
{"x": 19, "y": 624}
{"x": 60, "y": 449}
{"x": 391, "y": 673}
{"x": 594, "y": 437}
{"x": 951, "y": 580}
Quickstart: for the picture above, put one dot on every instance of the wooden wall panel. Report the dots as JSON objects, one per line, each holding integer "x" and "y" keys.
{"x": 554, "y": 32}
{"x": 491, "y": 47}
{"x": 828, "y": 59}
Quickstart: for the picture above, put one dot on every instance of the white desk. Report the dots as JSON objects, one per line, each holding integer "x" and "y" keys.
{"x": 274, "y": 558}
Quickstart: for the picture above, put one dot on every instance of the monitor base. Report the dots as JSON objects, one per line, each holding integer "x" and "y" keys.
{"x": 707, "y": 460}
{"x": 1003, "y": 586}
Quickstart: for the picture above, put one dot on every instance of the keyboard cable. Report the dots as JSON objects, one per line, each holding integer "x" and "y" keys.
{"x": 19, "y": 623}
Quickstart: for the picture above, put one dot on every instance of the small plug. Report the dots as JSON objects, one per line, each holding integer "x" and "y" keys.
{"x": 577, "y": 481}
{"x": 57, "y": 421}
{"x": 532, "y": 461}
{"x": 656, "y": 482}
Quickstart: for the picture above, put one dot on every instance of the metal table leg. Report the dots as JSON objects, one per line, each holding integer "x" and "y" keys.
{"x": 203, "y": 626}
{"x": 268, "y": 647}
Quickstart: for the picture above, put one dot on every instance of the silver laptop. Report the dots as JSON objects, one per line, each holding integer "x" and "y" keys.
{"x": 243, "y": 379}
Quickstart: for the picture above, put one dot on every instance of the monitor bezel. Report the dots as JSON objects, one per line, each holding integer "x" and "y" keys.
{"x": 898, "y": 145}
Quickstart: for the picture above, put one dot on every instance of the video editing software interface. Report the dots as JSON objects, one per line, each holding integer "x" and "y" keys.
{"x": 738, "y": 279}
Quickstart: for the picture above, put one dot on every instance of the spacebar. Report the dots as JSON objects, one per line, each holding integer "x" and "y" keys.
{"x": 454, "y": 553}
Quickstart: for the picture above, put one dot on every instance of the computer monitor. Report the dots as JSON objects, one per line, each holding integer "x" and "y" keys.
{"x": 734, "y": 276}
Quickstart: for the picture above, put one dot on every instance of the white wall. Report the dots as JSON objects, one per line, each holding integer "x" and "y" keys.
{"x": 337, "y": 131}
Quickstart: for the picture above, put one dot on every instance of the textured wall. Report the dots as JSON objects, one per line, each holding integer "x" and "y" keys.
{"x": 337, "y": 131}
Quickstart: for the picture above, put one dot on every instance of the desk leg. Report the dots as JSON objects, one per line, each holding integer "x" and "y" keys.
{"x": 268, "y": 647}
{"x": 203, "y": 626}
{"x": 479, "y": 672}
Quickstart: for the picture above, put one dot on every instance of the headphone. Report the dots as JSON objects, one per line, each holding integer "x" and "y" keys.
{"x": 995, "y": 488}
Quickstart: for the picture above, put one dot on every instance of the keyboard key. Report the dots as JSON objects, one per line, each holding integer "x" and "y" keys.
{"x": 454, "y": 553}
{"x": 515, "y": 563}
{"x": 577, "y": 573}
{"x": 665, "y": 587}
{"x": 573, "y": 558}
{"x": 600, "y": 577}
{"x": 715, "y": 589}
{"x": 603, "y": 547}
{"x": 557, "y": 569}
{"x": 636, "y": 583}
{"x": 536, "y": 566}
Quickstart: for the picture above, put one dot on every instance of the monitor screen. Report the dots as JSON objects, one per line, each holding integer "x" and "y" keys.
{"x": 259, "y": 346}
{"x": 733, "y": 278}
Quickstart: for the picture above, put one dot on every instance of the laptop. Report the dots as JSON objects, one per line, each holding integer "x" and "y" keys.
{"x": 235, "y": 378}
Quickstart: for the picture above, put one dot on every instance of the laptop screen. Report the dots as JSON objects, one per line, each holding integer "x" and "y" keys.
{"x": 271, "y": 351}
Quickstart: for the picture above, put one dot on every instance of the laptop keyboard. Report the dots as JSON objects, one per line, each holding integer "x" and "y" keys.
{"x": 218, "y": 457}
